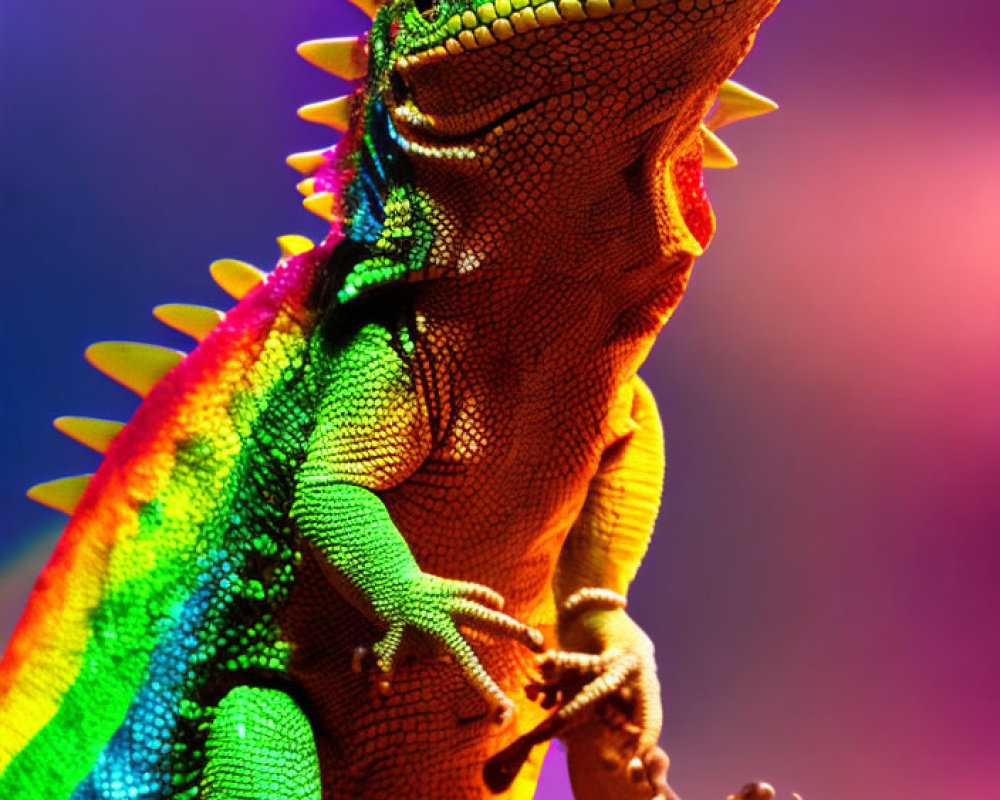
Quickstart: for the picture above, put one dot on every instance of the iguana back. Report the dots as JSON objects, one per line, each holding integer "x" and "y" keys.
{"x": 129, "y": 591}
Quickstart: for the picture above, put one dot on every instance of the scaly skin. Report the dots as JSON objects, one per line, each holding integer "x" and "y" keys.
{"x": 286, "y": 578}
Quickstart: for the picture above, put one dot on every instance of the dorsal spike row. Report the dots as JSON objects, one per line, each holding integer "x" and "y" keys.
{"x": 133, "y": 364}
{"x": 307, "y": 187}
{"x": 370, "y": 7}
{"x": 196, "y": 321}
{"x": 236, "y": 278}
{"x": 308, "y": 161}
{"x": 335, "y": 113}
{"x": 345, "y": 58}
{"x": 292, "y": 245}
{"x": 140, "y": 367}
{"x": 322, "y": 205}
{"x": 97, "y": 434}
{"x": 737, "y": 102}
{"x": 62, "y": 494}
{"x": 715, "y": 152}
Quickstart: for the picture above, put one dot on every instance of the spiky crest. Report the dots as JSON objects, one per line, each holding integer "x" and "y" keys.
{"x": 97, "y": 434}
{"x": 363, "y": 184}
{"x": 236, "y": 278}
{"x": 62, "y": 494}
{"x": 196, "y": 321}
{"x": 140, "y": 366}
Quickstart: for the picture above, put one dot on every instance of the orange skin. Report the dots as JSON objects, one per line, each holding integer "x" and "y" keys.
{"x": 548, "y": 303}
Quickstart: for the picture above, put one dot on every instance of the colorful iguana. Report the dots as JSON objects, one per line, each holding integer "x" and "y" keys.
{"x": 322, "y": 556}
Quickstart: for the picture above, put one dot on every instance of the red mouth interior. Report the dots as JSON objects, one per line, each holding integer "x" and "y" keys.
{"x": 689, "y": 181}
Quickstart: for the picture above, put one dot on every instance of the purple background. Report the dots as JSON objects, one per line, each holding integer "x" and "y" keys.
{"x": 824, "y": 585}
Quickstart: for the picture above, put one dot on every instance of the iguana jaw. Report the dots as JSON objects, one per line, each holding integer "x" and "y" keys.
{"x": 645, "y": 62}
{"x": 461, "y": 27}
{"x": 559, "y": 143}
{"x": 592, "y": 101}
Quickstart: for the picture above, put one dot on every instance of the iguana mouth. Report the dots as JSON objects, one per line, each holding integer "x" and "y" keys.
{"x": 514, "y": 24}
{"x": 688, "y": 177}
{"x": 425, "y": 122}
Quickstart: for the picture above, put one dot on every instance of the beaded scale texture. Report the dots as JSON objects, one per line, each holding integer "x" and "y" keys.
{"x": 373, "y": 536}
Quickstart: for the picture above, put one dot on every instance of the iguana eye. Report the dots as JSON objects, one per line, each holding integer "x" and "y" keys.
{"x": 428, "y": 9}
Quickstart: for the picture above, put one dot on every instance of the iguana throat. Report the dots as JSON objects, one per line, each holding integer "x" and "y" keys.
{"x": 470, "y": 146}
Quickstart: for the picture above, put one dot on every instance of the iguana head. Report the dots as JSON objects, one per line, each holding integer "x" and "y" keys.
{"x": 542, "y": 127}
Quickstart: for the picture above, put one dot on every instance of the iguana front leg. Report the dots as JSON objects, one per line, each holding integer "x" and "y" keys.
{"x": 609, "y": 712}
{"x": 603, "y": 678}
{"x": 372, "y": 433}
{"x": 368, "y": 560}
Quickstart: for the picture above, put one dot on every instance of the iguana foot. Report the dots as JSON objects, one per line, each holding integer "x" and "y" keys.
{"x": 598, "y": 707}
{"x": 608, "y": 705}
{"x": 432, "y": 607}
{"x": 611, "y": 718}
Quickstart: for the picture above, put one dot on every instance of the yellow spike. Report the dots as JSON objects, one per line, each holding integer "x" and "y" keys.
{"x": 196, "y": 321}
{"x": 335, "y": 113}
{"x": 344, "y": 58}
{"x": 307, "y": 187}
{"x": 90, "y": 431}
{"x": 237, "y": 278}
{"x": 737, "y": 102}
{"x": 62, "y": 494}
{"x": 321, "y": 205}
{"x": 716, "y": 154}
{"x": 133, "y": 364}
{"x": 370, "y": 7}
{"x": 308, "y": 161}
{"x": 292, "y": 244}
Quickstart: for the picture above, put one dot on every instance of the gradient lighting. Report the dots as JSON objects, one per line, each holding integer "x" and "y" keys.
{"x": 823, "y": 584}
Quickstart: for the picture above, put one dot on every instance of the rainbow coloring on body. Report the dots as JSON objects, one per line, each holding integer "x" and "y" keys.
{"x": 186, "y": 445}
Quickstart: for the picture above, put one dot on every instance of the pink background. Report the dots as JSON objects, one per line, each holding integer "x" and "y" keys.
{"x": 824, "y": 586}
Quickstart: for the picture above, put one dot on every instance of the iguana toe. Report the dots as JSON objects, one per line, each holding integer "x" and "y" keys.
{"x": 604, "y": 713}
{"x": 428, "y": 611}
{"x": 754, "y": 791}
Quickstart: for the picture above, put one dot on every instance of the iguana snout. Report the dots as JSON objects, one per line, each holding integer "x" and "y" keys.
{"x": 496, "y": 74}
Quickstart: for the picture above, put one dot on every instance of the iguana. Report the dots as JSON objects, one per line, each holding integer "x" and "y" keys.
{"x": 322, "y": 557}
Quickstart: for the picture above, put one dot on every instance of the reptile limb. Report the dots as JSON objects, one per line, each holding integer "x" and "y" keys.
{"x": 603, "y": 677}
{"x": 367, "y": 558}
{"x": 608, "y": 712}
{"x": 260, "y": 747}
{"x": 339, "y": 513}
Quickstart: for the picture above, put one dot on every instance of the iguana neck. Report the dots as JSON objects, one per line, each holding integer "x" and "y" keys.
{"x": 598, "y": 271}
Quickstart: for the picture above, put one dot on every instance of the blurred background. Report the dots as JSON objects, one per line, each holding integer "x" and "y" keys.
{"x": 824, "y": 586}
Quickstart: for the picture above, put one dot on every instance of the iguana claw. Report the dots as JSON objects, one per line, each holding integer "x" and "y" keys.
{"x": 432, "y": 607}
{"x": 607, "y": 704}
{"x": 754, "y": 791}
